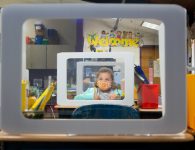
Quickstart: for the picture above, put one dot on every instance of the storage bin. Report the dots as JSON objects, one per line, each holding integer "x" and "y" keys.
{"x": 148, "y": 96}
{"x": 53, "y": 36}
{"x": 38, "y": 39}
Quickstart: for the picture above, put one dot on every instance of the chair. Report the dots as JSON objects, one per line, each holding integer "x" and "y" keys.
{"x": 105, "y": 111}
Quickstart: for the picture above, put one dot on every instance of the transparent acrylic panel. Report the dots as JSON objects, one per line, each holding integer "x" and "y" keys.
{"x": 44, "y": 39}
{"x": 103, "y": 76}
{"x": 76, "y": 40}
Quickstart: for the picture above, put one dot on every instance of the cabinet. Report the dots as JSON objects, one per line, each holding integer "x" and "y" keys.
{"x": 51, "y": 56}
{"x": 35, "y": 56}
{"x": 44, "y": 56}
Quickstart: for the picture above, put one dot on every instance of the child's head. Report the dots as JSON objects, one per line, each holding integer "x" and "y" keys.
{"x": 104, "y": 79}
{"x": 103, "y": 32}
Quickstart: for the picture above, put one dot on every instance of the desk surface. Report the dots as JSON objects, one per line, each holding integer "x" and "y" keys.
{"x": 184, "y": 137}
{"x": 63, "y": 106}
{"x": 150, "y": 110}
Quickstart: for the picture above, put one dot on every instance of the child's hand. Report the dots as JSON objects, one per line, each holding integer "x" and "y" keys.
{"x": 97, "y": 97}
{"x": 112, "y": 96}
{"x": 86, "y": 81}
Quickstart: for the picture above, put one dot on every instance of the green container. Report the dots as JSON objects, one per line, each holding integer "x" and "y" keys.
{"x": 45, "y": 42}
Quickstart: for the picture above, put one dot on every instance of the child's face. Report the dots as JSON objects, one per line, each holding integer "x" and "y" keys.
{"x": 104, "y": 81}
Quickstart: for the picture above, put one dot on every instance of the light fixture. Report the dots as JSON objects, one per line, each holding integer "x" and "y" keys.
{"x": 150, "y": 25}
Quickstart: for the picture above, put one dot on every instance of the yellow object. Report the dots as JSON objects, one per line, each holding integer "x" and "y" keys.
{"x": 100, "y": 50}
{"x": 135, "y": 93}
{"x": 33, "y": 103}
{"x": 23, "y": 94}
{"x": 31, "y": 100}
{"x": 41, "y": 102}
{"x": 191, "y": 100}
{"x": 105, "y": 42}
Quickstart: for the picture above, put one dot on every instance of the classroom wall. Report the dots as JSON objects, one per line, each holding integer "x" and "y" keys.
{"x": 97, "y": 25}
{"x": 66, "y": 31}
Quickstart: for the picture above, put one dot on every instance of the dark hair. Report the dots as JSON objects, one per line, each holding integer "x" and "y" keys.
{"x": 103, "y": 31}
{"x": 104, "y": 70}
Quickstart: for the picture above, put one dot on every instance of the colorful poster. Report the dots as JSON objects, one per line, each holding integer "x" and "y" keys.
{"x": 114, "y": 39}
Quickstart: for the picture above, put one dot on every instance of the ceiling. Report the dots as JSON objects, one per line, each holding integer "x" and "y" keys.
{"x": 129, "y": 24}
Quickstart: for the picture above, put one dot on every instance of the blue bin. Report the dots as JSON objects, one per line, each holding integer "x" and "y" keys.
{"x": 38, "y": 39}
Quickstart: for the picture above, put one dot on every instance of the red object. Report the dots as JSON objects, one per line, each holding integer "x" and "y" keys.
{"x": 27, "y": 40}
{"x": 148, "y": 96}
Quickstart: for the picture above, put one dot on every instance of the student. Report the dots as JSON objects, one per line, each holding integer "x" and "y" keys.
{"x": 103, "y": 89}
{"x": 104, "y": 85}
